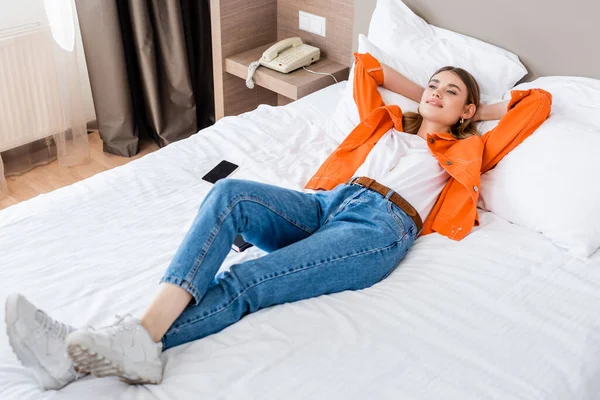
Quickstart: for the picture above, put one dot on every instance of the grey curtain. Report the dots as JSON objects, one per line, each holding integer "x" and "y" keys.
{"x": 150, "y": 68}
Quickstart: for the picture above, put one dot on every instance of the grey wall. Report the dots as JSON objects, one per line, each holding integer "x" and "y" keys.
{"x": 550, "y": 37}
{"x": 363, "y": 9}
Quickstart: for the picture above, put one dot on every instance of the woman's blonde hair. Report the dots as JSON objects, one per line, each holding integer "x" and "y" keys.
{"x": 411, "y": 121}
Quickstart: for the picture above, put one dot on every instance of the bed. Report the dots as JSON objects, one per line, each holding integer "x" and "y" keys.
{"x": 501, "y": 314}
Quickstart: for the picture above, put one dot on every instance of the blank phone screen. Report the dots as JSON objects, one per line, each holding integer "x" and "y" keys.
{"x": 222, "y": 170}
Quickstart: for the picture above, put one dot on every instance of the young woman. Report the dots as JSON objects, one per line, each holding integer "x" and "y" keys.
{"x": 346, "y": 238}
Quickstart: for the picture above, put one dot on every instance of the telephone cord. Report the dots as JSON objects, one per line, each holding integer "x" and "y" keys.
{"x": 251, "y": 69}
{"x": 254, "y": 65}
{"x": 320, "y": 73}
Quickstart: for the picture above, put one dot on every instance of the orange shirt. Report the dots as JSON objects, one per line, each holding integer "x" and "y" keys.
{"x": 455, "y": 212}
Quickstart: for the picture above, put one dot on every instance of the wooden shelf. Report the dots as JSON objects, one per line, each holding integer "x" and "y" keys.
{"x": 293, "y": 85}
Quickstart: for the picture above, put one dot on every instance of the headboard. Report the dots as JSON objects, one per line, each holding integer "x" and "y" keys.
{"x": 550, "y": 38}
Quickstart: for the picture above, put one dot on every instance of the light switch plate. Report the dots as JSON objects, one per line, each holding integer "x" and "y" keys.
{"x": 304, "y": 21}
{"x": 317, "y": 25}
{"x": 312, "y": 23}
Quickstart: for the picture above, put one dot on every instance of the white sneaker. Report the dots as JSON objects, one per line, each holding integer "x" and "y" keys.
{"x": 124, "y": 349}
{"x": 39, "y": 342}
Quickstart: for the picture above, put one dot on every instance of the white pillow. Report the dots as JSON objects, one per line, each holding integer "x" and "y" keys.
{"x": 398, "y": 31}
{"x": 549, "y": 183}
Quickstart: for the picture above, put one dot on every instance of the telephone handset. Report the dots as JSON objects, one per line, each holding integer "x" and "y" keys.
{"x": 289, "y": 54}
{"x": 285, "y": 56}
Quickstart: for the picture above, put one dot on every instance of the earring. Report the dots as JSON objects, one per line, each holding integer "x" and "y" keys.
{"x": 462, "y": 120}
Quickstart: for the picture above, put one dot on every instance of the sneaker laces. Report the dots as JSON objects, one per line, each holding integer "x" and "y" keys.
{"x": 59, "y": 331}
{"x": 121, "y": 325}
{"x": 53, "y": 329}
{"x": 116, "y": 326}
{"x": 133, "y": 325}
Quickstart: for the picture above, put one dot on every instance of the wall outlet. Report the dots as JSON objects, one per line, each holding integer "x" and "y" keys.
{"x": 312, "y": 23}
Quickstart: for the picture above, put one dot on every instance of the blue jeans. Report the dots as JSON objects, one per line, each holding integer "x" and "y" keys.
{"x": 347, "y": 238}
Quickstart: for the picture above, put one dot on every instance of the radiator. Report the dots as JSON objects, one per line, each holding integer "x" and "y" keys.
{"x": 30, "y": 101}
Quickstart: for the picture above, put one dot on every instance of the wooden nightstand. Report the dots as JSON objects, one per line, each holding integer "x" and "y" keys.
{"x": 289, "y": 87}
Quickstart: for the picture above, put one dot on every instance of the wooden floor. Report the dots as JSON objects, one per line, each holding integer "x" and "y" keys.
{"x": 49, "y": 177}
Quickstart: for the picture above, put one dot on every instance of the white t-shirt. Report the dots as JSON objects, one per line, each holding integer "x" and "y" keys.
{"x": 403, "y": 162}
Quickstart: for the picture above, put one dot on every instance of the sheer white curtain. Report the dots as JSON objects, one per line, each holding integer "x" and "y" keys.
{"x": 42, "y": 115}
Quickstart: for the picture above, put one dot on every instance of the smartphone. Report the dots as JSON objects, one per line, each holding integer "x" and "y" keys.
{"x": 239, "y": 244}
{"x": 222, "y": 170}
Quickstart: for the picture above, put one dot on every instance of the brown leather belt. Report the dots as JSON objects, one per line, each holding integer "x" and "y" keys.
{"x": 394, "y": 198}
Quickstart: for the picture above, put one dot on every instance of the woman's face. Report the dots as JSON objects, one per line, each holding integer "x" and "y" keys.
{"x": 444, "y": 99}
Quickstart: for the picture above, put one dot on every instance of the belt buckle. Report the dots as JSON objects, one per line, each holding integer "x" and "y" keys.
{"x": 353, "y": 180}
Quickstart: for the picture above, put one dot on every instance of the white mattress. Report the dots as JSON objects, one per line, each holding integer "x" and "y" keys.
{"x": 502, "y": 314}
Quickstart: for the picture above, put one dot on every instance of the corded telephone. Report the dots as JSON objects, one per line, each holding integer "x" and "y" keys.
{"x": 285, "y": 56}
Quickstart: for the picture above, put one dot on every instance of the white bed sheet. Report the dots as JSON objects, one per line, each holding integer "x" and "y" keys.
{"x": 502, "y": 314}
